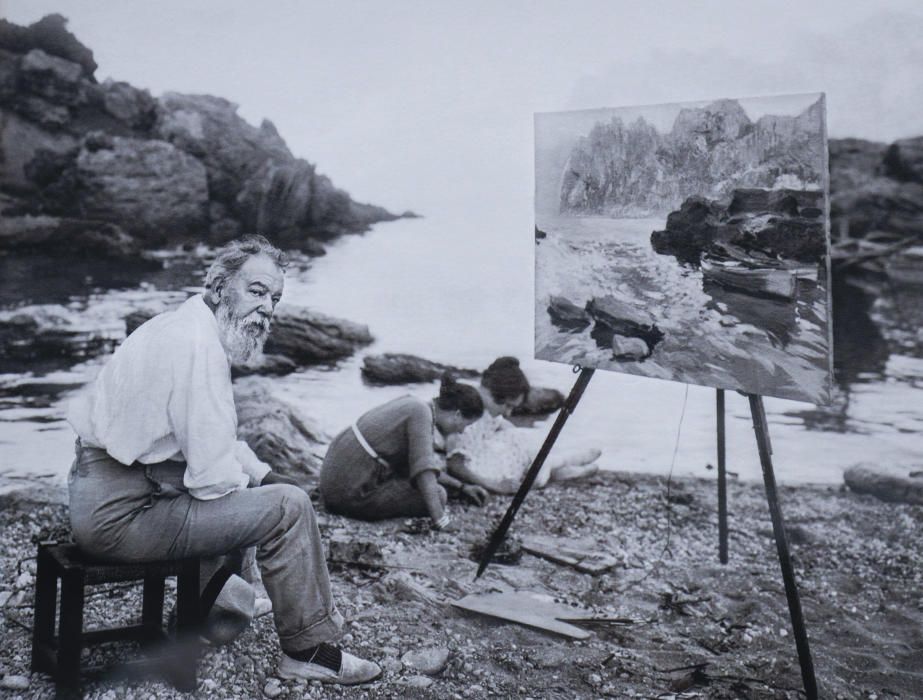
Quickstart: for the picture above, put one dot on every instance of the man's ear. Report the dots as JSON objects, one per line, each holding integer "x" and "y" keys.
{"x": 214, "y": 294}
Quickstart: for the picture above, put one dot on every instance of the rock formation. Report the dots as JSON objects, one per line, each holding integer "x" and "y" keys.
{"x": 298, "y": 336}
{"x": 111, "y": 158}
{"x": 399, "y": 368}
{"x": 876, "y": 188}
{"x": 888, "y": 483}
{"x": 788, "y": 223}
{"x": 633, "y": 170}
{"x": 279, "y": 434}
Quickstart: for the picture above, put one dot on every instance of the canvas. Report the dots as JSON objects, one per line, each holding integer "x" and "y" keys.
{"x": 687, "y": 242}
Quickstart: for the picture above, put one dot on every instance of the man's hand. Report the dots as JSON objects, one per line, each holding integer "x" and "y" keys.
{"x": 476, "y": 494}
{"x": 273, "y": 478}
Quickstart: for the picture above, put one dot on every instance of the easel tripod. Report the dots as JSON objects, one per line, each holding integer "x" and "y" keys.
{"x": 761, "y": 429}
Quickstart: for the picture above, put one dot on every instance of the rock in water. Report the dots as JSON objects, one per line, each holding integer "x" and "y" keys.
{"x": 904, "y": 160}
{"x": 566, "y": 315}
{"x": 614, "y": 317}
{"x": 279, "y": 435}
{"x": 71, "y": 237}
{"x": 894, "y": 484}
{"x": 431, "y": 661}
{"x": 628, "y": 349}
{"x": 297, "y": 336}
{"x": 399, "y": 368}
{"x": 54, "y": 333}
{"x": 308, "y": 337}
{"x": 540, "y": 401}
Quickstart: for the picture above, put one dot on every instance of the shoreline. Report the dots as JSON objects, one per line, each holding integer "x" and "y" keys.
{"x": 857, "y": 562}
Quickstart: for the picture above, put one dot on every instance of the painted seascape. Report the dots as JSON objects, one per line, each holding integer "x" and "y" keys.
{"x": 696, "y": 252}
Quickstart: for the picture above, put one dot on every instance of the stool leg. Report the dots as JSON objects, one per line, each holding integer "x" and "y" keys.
{"x": 152, "y": 607}
{"x": 46, "y": 595}
{"x": 70, "y": 638}
{"x": 188, "y": 619}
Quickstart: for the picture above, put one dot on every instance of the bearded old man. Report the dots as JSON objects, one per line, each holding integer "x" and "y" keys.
{"x": 160, "y": 473}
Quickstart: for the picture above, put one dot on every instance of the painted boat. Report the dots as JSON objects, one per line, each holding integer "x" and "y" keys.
{"x": 763, "y": 281}
{"x": 759, "y": 260}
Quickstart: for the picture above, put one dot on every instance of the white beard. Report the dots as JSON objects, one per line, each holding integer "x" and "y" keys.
{"x": 242, "y": 339}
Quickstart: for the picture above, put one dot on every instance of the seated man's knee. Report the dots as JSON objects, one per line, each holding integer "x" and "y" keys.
{"x": 296, "y": 504}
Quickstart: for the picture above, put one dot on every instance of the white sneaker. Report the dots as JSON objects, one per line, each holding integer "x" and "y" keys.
{"x": 353, "y": 670}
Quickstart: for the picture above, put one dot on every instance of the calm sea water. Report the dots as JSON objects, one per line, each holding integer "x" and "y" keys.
{"x": 459, "y": 289}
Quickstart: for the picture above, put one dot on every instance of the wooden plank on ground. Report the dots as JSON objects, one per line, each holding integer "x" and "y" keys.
{"x": 528, "y": 609}
{"x": 562, "y": 551}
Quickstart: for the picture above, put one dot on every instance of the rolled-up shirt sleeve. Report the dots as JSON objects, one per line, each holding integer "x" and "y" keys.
{"x": 203, "y": 420}
{"x": 253, "y": 466}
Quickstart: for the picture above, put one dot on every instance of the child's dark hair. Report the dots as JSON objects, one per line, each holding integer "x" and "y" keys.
{"x": 454, "y": 396}
{"x": 504, "y": 380}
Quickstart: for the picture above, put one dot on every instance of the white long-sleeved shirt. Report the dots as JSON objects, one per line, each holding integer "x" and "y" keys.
{"x": 166, "y": 395}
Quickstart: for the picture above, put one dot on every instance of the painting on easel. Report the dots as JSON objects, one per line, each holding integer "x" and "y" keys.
{"x": 688, "y": 242}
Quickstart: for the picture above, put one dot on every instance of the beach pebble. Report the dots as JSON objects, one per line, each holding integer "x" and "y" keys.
{"x": 418, "y": 682}
{"x": 273, "y": 688}
{"x": 4, "y": 597}
{"x": 15, "y": 683}
{"x": 392, "y": 666}
{"x": 430, "y": 661}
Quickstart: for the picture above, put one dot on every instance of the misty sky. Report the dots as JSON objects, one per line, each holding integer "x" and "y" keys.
{"x": 421, "y": 104}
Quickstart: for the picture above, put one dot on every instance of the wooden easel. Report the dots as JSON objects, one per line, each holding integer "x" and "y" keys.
{"x": 761, "y": 429}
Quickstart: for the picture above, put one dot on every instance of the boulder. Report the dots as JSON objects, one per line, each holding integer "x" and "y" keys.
{"x": 265, "y": 365}
{"x": 784, "y": 202}
{"x": 56, "y": 79}
{"x": 566, "y": 315}
{"x": 20, "y": 141}
{"x": 210, "y": 129}
{"x": 276, "y": 431}
{"x": 80, "y": 238}
{"x": 152, "y": 189}
{"x": 540, "y": 401}
{"x": 689, "y": 230}
{"x": 277, "y": 197}
{"x": 904, "y": 160}
{"x": 893, "y": 484}
{"x": 628, "y": 349}
{"x": 135, "y": 108}
{"x": 397, "y": 368}
{"x": 309, "y": 337}
{"x": 616, "y": 317}
{"x": 297, "y": 336}
{"x": 430, "y": 661}
{"x": 51, "y": 36}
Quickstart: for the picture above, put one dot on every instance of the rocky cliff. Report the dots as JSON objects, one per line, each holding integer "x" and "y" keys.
{"x": 107, "y": 169}
{"x": 634, "y": 170}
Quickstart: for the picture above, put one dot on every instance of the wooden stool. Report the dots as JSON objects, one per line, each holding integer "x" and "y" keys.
{"x": 59, "y": 656}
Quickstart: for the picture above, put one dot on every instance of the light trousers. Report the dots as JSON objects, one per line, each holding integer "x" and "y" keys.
{"x": 142, "y": 513}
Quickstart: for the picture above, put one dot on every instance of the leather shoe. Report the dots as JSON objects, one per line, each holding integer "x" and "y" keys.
{"x": 353, "y": 670}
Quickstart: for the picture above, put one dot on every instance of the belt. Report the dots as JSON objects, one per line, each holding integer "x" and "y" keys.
{"x": 369, "y": 450}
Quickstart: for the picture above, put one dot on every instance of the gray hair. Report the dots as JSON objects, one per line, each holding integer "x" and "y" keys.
{"x": 232, "y": 257}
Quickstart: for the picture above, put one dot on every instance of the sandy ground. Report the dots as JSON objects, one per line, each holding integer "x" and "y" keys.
{"x": 681, "y": 625}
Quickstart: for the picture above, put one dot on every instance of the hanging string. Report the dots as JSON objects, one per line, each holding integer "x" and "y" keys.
{"x": 667, "y": 503}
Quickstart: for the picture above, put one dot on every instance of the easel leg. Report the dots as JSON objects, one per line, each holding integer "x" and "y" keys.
{"x": 569, "y": 405}
{"x": 778, "y": 527}
{"x": 722, "y": 484}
